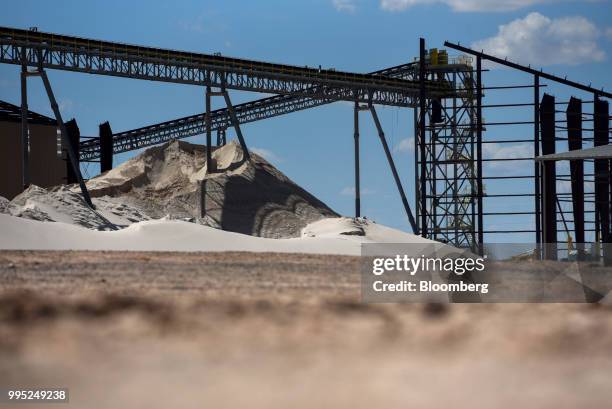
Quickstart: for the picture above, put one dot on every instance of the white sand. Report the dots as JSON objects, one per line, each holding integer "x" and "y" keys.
{"x": 322, "y": 237}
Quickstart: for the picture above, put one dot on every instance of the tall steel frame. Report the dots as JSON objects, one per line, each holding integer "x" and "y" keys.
{"x": 446, "y": 167}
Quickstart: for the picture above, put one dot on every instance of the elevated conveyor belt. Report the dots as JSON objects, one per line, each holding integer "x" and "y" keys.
{"x": 78, "y": 54}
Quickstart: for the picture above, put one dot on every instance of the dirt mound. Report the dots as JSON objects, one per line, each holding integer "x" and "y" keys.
{"x": 250, "y": 197}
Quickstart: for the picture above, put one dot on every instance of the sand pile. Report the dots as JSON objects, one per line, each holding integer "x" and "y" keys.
{"x": 66, "y": 205}
{"x": 250, "y": 197}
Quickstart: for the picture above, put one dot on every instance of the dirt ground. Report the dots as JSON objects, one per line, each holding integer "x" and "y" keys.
{"x": 244, "y": 330}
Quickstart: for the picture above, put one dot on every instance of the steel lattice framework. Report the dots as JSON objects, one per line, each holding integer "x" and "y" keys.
{"x": 220, "y": 119}
{"x": 446, "y": 161}
{"x": 47, "y": 50}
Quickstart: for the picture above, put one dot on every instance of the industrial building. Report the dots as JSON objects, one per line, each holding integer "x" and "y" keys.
{"x": 47, "y": 160}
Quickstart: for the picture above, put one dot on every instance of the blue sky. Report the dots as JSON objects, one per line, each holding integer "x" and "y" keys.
{"x": 314, "y": 147}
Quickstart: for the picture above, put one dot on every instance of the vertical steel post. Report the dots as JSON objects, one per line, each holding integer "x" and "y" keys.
{"x": 357, "y": 177}
{"x": 396, "y": 177}
{"x": 536, "y": 170}
{"x": 574, "y": 142}
{"x": 422, "y": 142}
{"x": 208, "y": 132}
{"x": 479, "y": 152}
{"x": 549, "y": 206}
{"x": 25, "y": 134}
{"x": 106, "y": 147}
{"x": 417, "y": 197}
{"x": 601, "y": 126}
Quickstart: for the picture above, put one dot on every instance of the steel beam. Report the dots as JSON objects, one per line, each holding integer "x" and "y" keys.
{"x": 536, "y": 171}
{"x": 209, "y": 165}
{"x": 601, "y": 135}
{"x": 549, "y": 205}
{"x": 106, "y": 147}
{"x": 422, "y": 142}
{"x": 236, "y": 124}
{"x": 574, "y": 141}
{"x": 528, "y": 70}
{"x": 70, "y": 147}
{"x": 25, "y": 133}
{"x": 356, "y": 154}
{"x": 479, "y": 187}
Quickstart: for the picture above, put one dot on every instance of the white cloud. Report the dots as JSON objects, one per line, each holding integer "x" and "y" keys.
{"x": 266, "y": 154}
{"x": 465, "y": 5}
{"x": 405, "y": 145}
{"x": 347, "y": 6}
{"x": 350, "y": 191}
{"x": 540, "y": 40}
{"x": 506, "y": 151}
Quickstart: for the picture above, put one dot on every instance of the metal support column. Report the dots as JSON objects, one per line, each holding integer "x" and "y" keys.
{"x": 422, "y": 141}
{"x": 208, "y": 131}
{"x": 74, "y": 135}
{"x": 549, "y": 205}
{"x": 536, "y": 170}
{"x": 574, "y": 141}
{"x": 601, "y": 127}
{"x": 357, "y": 177}
{"x": 398, "y": 182}
{"x": 72, "y": 155}
{"x": 106, "y": 147}
{"x": 479, "y": 153}
{"x": 25, "y": 133}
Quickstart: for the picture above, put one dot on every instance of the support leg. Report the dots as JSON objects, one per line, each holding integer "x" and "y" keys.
{"x": 74, "y": 160}
{"x": 25, "y": 137}
{"x": 398, "y": 182}
{"x": 208, "y": 131}
{"x": 422, "y": 142}
{"x": 236, "y": 124}
{"x": 357, "y": 177}
{"x": 480, "y": 193}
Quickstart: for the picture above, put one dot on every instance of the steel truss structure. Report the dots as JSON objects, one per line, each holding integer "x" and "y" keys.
{"x": 220, "y": 119}
{"x": 446, "y": 153}
{"x": 47, "y": 50}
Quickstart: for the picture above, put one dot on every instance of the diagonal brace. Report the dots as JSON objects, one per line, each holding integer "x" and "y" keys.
{"x": 235, "y": 123}
{"x": 71, "y": 152}
{"x": 398, "y": 182}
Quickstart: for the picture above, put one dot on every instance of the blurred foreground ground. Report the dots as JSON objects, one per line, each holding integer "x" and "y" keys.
{"x": 193, "y": 330}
